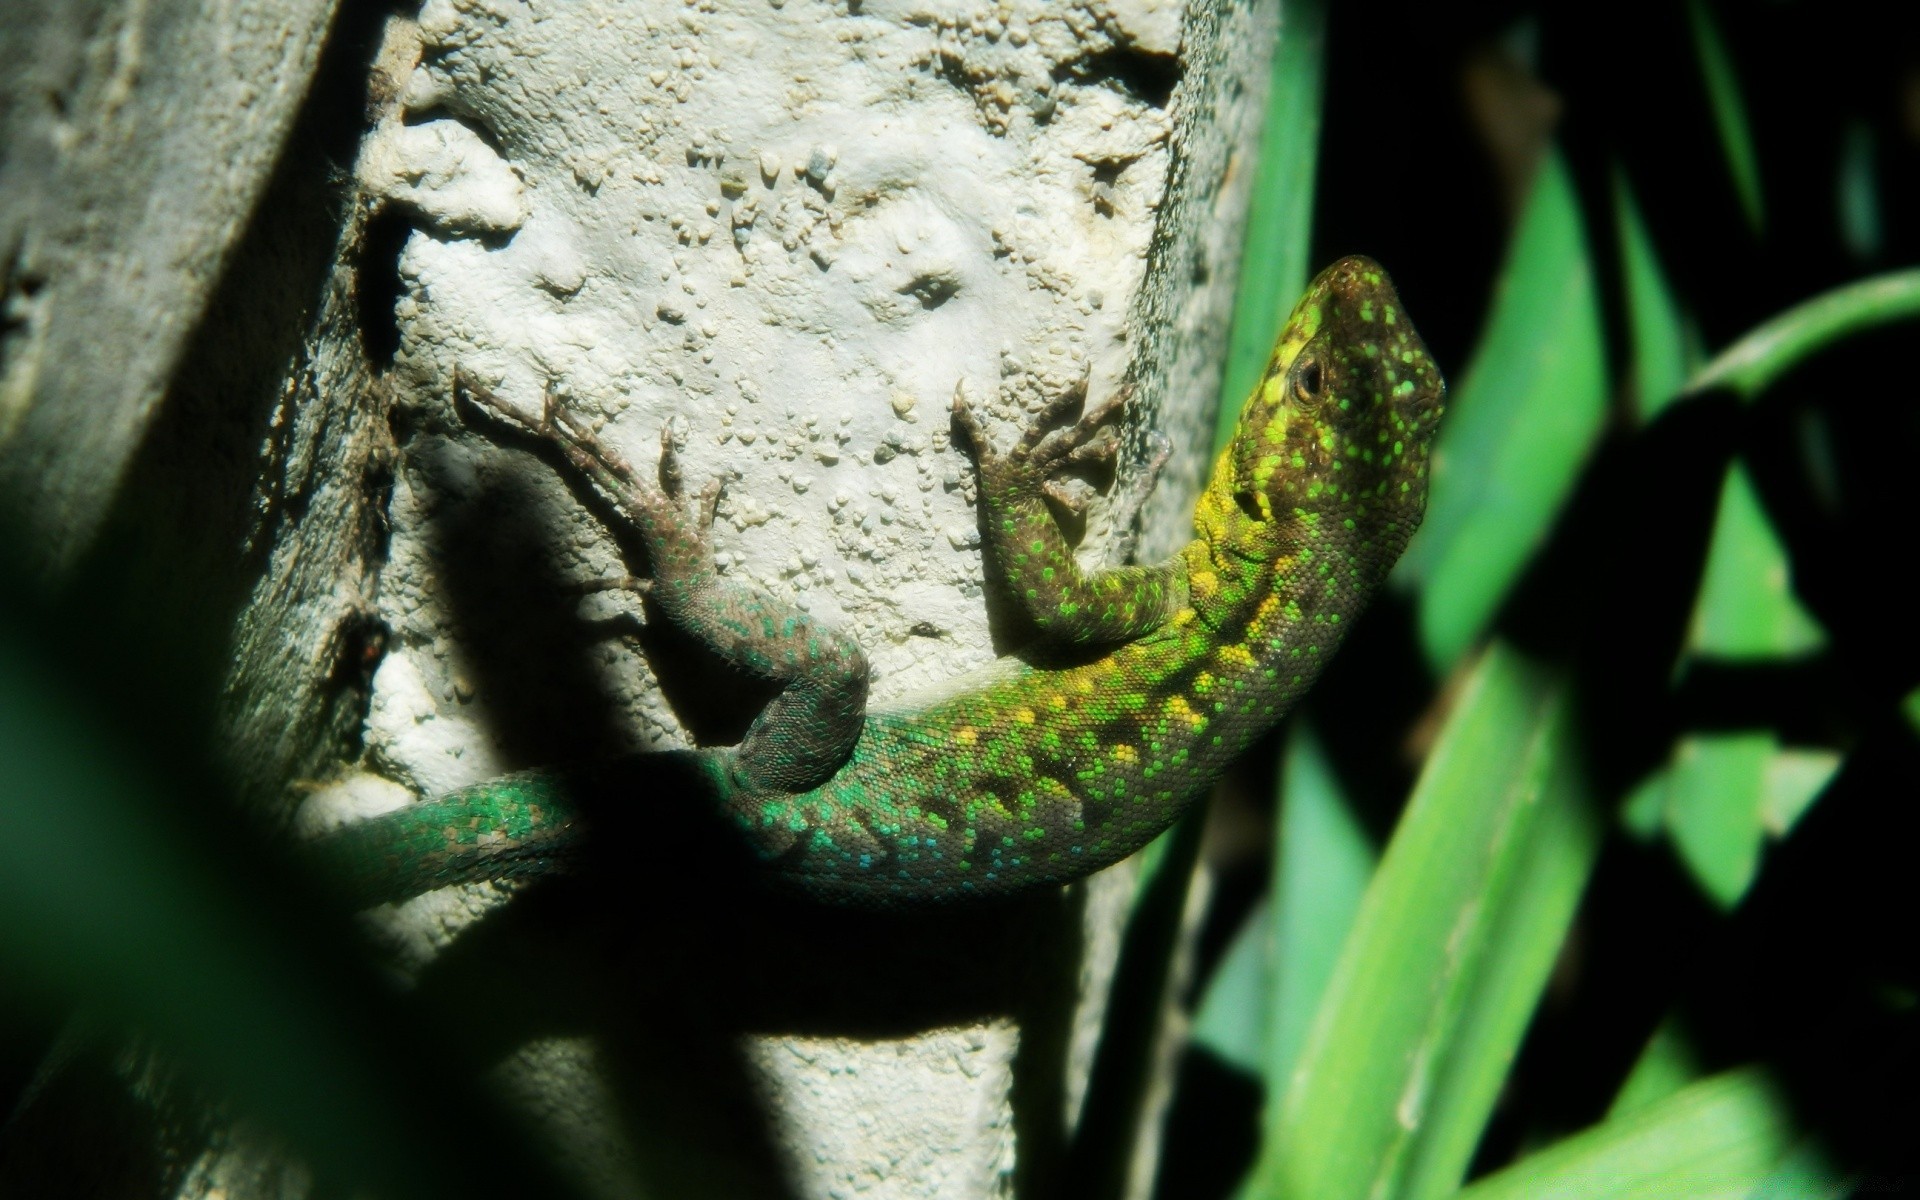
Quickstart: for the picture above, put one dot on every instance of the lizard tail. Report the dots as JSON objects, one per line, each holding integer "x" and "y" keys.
{"x": 516, "y": 827}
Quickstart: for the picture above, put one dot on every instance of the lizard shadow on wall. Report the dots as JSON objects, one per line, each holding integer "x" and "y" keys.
{"x": 668, "y": 946}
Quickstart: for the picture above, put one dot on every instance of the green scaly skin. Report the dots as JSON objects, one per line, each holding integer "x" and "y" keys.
{"x": 1023, "y": 776}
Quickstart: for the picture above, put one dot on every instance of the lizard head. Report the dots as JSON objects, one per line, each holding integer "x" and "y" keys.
{"x": 1341, "y": 423}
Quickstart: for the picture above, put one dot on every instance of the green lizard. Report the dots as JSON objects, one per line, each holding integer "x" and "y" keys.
{"x": 1021, "y": 775}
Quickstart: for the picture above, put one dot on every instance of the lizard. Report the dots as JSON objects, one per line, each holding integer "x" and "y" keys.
{"x": 1038, "y": 769}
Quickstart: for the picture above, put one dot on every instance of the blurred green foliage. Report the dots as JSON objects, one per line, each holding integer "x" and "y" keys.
{"x": 1586, "y": 873}
{"x": 1640, "y": 878}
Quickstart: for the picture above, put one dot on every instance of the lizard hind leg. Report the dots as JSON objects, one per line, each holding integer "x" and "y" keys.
{"x": 808, "y": 730}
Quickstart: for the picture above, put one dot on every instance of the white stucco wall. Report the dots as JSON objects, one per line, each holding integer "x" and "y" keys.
{"x": 792, "y": 228}
{"x": 137, "y": 135}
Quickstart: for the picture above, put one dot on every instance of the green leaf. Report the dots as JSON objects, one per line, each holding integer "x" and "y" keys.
{"x": 1231, "y": 1018}
{"x": 1718, "y": 1139}
{"x": 1520, "y": 424}
{"x": 1660, "y": 352}
{"x": 1793, "y": 780}
{"x": 1644, "y": 811}
{"x": 1746, "y": 609}
{"x": 1527, "y": 924}
{"x": 1727, "y": 792}
{"x": 1447, "y": 955}
{"x": 112, "y": 901}
{"x": 1862, "y": 230}
{"x": 1807, "y": 1173}
{"x": 1729, "y": 112}
{"x": 1750, "y": 365}
{"x": 1713, "y": 809}
{"x": 1273, "y": 261}
{"x": 1323, "y": 860}
{"x": 1665, "y": 1066}
{"x": 1721, "y": 796}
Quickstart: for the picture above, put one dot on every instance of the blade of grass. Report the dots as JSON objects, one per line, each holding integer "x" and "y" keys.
{"x": 1660, "y": 351}
{"x": 1273, "y": 263}
{"x": 1323, "y": 860}
{"x": 1230, "y": 1019}
{"x": 1747, "y": 609}
{"x": 1856, "y": 188}
{"x": 1750, "y": 365}
{"x": 1721, "y": 797}
{"x": 1526, "y": 413}
{"x": 1793, "y": 780}
{"x": 1729, "y": 112}
{"x": 1359, "y": 1100}
{"x": 1665, "y": 1066}
{"x": 1528, "y": 920}
{"x": 1719, "y": 1138}
{"x": 1713, "y": 809}
{"x": 1643, "y": 813}
{"x": 1807, "y": 1173}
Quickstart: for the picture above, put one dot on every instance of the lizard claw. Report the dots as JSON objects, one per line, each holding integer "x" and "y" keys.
{"x": 1044, "y": 451}
{"x": 968, "y": 421}
{"x": 1073, "y": 496}
{"x": 671, "y": 480}
{"x": 1050, "y": 414}
{"x": 709, "y": 502}
{"x": 614, "y": 583}
{"x": 1090, "y": 439}
{"x": 466, "y": 387}
{"x": 1078, "y": 446}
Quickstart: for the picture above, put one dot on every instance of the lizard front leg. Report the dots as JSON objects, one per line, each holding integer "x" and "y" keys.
{"x": 1067, "y": 604}
{"x": 807, "y": 731}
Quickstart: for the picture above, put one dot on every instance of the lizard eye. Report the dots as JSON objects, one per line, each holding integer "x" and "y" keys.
{"x": 1307, "y": 380}
{"x": 1250, "y": 505}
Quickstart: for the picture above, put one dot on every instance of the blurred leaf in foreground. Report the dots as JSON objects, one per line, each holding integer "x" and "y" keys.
{"x": 1666, "y": 1064}
{"x": 113, "y": 901}
{"x": 1857, "y": 193}
{"x": 1520, "y": 423}
{"x": 1257, "y": 1009}
{"x": 1230, "y": 1018}
{"x": 1323, "y": 860}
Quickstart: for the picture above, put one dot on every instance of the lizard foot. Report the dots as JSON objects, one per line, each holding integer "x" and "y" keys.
{"x": 1033, "y": 466}
{"x": 677, "y": 539}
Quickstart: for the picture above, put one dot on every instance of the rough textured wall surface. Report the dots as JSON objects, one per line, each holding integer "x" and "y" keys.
{"x": 789, "y": 228}
{"x": 137, "y": 135}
